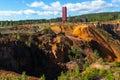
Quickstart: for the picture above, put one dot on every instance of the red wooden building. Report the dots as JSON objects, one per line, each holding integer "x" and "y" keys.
{"x": 64, "y": 14}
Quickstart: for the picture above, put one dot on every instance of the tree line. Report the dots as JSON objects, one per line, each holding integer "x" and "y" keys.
{"x": 107, "y": 16}
{"x": 21, "y": 22}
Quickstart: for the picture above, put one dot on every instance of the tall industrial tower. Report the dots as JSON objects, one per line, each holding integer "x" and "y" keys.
{"x": 64, "y": 14}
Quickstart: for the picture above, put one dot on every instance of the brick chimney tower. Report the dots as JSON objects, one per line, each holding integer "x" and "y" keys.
{"x": 64, "y": 14}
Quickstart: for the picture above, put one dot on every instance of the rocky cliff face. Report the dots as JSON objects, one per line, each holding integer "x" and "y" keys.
{"x": 113, "y": 29}
{"x": 17, "y": 56}
{"x": 57, "y": 46}
{"x": 99, "y": 40}
{"x": 103, "y": 37}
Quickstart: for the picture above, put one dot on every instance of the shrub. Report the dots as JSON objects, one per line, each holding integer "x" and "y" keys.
{"x": 96, "y": 55}
{"x": 86, "y": 64}
{"x": 28, "y": 42}
{"x": 63, "y": 76}
{"x": 90, "y": 74}
{"x": 116, "y": 64}
{"x": 18, "y": 36}
{"x": 47, "y": 30}
{"x": 70, "y": 75}
{"x": 4, "y": 78}
{"x": 101, "y": 72}
{"x": 74, "y": 53}
{"x": 23, "y": 77}
{"x": 109, "y": 75}
{"x": 76, "y": 72}
{"x": 42, "y": 78}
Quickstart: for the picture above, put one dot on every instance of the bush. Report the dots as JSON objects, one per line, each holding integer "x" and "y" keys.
{"x": 109, "y": 75}
{"x": 89, "y": 74}
{"x": 47, "y": 30}
{"x": 63, "y": 76}
{"x": 96, "y": 55}
{"x": 86, "y": 64}
{"x": 70, "y": 75}
{"x": 42, "y": 78}
{"x": 74, "y": 53}
{"x": 101, "y": 72}
{"x": 28, "y": 42}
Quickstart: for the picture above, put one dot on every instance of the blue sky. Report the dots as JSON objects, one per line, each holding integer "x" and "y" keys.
{"x": 46, "y": 9}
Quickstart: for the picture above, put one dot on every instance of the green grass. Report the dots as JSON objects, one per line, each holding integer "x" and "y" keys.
{"x": 91, "y": 74}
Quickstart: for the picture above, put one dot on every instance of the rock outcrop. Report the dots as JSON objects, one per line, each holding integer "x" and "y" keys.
{"x": 98, "y": 41}
{"x": 16, "y": 56}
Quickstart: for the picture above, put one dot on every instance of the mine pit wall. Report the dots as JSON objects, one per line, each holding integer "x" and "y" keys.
{"x": 111, "y": 28}
{"x": 100, "y": 41}
{"x": 114, "y": 30}
{"x": 16, "y": 56}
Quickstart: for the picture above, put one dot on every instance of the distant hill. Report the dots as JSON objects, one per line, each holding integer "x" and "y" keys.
{"x": 106, "y": 16}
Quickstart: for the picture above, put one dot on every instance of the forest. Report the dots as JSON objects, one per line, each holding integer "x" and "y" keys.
{"x": 106, "y": 16}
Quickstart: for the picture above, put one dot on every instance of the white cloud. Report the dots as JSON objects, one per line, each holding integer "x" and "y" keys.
{"x": 53, "y": 6}
{"x": 47, "y": 13}
{"x": 89, "y": 6}
{"x": 28, "y": 12}
{"x": 9, "y": 13}
{"x": 86, "y": 6}
{"x": 37, "y": 4}
{"x": 115, "y": 1}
